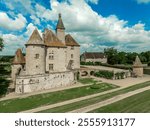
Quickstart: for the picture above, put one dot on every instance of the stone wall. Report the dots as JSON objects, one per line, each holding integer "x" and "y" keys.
{"x": 35, "y": 65}
{"x": 58, "y": 60}
{"x": 60, "y": 33}
{"x": 102, "y": 60}
{"x": 27, "y": 84}
{"x": 138, "y": 71}
{"x": 73, "y": 53}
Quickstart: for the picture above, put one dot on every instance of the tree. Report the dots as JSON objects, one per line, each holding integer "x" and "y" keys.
{"x": 1, "y": 44}
{"x": 111, "y": 54}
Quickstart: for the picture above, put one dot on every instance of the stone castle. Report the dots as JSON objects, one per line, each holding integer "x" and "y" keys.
{"x": 52, "y": 60}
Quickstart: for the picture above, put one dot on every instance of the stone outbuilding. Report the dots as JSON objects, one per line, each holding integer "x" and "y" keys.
{"x": 137, "y": 68}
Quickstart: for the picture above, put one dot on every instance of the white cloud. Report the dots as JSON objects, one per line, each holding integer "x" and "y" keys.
{"x": 30, "y": 28}
{"x": 93, "y": 1}
{"x": 12, "y": 43}
{"x": 143, "y": 1}
{"x": 22, "y": 6}
{"x": 35, "y": 19}
{"x": 17, "y": 23}
{"x": 89, "y": 27}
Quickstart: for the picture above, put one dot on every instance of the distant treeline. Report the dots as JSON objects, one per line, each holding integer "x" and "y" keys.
{"x": 6, "y": 59}
{"x": 115, "y": 57}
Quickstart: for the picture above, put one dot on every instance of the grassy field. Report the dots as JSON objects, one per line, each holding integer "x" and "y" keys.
{"x": 83, "y": 103}
{"x": 87, "y": 81}
{"x": 21, "y": 104}
{"x": 139, "y": 103}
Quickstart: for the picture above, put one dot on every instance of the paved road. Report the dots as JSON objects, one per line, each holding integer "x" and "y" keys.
{"x": 109, "y": 101}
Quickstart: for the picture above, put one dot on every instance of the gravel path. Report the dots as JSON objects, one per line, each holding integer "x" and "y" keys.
{"x": 109, "y": 101}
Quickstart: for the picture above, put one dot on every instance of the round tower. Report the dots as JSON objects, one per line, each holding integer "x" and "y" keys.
{"x": 35, "y": 54}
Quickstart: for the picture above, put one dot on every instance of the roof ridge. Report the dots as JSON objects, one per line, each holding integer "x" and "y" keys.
{"x": 50, "y": 39}
{"x": 70, "y": 41}
{"x": 35, "y": 38}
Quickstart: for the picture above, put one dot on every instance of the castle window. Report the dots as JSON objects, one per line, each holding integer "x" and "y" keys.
{"x": 51, "y": 67}
{"x": 72, "y": 47}
{"x": 37, "y": 56}
{"x": 51, "y": 56}
{"x": 37, "y": 66}
{"x": 71, "y": 55}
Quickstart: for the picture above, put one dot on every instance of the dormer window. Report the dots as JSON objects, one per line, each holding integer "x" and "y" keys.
{"x": 37, "y": 56}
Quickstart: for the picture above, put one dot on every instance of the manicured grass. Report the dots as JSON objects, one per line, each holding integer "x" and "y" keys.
{"x": 139, "y": 103}
{"x": 83, "y": 103}
{"x": 87, "y": 80}
{"x": 21, "y": 104}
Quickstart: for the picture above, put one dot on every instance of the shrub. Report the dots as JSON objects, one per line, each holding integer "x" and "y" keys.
{"x": 104, "y": 74}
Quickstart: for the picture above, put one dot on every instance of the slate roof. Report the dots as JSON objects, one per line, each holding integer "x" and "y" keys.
{"x": 70, "y": 41}
{"x": 19, "y": 58}
{"x": 93, "y": 55}
{"x": 137, "y": 62}
{"x": 60, "y": 24}
{"x": 51, "y": 40}
{"x": 35, "y": 38}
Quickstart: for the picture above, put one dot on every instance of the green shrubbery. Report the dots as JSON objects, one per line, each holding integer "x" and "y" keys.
{"x": 104, "y": 74}
{"x": 147, "y": 71}
{"x": 3, "y": 86}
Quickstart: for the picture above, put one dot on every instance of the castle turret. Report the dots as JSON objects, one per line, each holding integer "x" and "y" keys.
{"x": 17, "y": 64}
{"x": 60, "y": 30}
{"x": 138, "y": 67}
{"x": 35, "y": 54}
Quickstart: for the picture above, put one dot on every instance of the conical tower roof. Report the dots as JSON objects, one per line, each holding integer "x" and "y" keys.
{"x": 60, "y": 24}
{"x": 137, "y": 62}
{"x": 50, "y": 39}
{"x": 70, "y": 41}
{"x": 19, "y": 58}
{"x": 35, "y": 38}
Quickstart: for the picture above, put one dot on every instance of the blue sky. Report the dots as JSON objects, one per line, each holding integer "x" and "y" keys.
{"x": 95, "y": 24}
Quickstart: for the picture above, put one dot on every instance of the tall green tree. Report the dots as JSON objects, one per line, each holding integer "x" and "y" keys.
{"x": 111, "y": 54}
{"x": 1, "y": 44}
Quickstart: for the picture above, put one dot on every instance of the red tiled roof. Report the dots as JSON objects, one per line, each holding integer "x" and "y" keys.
{"x": 51, "y": 40}
{"x": 93, "y": 55}
{"x": 35, "y": 38}
{"x": 19, "y": 58}
{"x": 70, "y": 41}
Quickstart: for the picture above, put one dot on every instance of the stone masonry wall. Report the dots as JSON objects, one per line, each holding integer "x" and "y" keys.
{"x": 27, "y": 84}
{"x": 58, "y": 61}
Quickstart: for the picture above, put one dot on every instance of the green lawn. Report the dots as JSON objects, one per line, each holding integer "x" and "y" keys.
{"x": 139, "y": 103}
{"x": 97, "y": 99}
{"x": 21, "y": 104}
{"x": 87, "y": 80}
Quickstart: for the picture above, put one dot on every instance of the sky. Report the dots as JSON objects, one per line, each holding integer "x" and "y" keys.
{"x": 94, "y": 24}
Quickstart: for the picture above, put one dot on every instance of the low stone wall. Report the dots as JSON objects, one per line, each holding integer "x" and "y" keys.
{"x": 26, "y": 84}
